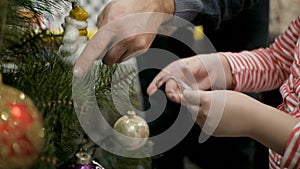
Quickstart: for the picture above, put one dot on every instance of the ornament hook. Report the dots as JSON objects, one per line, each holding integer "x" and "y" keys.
{"x": 83, "y": 158}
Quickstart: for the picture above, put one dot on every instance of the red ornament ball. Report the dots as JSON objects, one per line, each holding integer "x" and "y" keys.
{"x": 21, "y": 129}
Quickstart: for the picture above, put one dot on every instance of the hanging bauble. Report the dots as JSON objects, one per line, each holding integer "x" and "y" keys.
{"x": 132, "y": 131}
{"x": 84, "y": 161}
{"x": 21, "y": 129}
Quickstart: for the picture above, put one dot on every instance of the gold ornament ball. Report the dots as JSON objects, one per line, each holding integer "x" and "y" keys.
{"x": 132, "y": 131}
{"x": 79, "y": 14}
{"x": 21, "y": 129}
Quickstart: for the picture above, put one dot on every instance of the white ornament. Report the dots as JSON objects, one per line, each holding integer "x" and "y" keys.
{"x": 71, "y": 35}
{"x": 72, "y": 43}
{"x": 76, "y": 24}
{"x": 132, "y": 131}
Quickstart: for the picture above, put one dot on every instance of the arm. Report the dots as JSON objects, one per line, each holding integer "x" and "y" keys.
{"x": 211, "y": 12}
{"x": 275, "y": 129}
{"x": 272, "y": 127}
{"x": 254, "y": 71}
{"x": 233, "y": 114}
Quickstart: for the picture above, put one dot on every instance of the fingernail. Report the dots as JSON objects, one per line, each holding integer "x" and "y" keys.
{"x": 78, "y": 72}
{"x": 175, "y": 97}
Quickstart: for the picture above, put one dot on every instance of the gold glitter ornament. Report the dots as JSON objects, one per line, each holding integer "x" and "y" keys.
{"x": 21, "y": 129}
{"x": 132, "y": 131}
{"x": 83, "y": 32}
{"x": 79, "y": 14}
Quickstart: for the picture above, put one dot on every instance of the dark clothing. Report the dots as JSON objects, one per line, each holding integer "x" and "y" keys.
{"x": 212, "y": 13}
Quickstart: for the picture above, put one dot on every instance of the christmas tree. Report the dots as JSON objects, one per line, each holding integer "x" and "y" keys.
{"x": 29, "y": 62}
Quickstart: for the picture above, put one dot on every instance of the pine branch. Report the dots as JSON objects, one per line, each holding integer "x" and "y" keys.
{"x": 3, "y": 13}
{"x": 41, "y": 74}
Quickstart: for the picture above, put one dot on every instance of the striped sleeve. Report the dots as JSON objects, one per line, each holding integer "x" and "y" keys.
{"x": 291, "y": 157}
{"x": 265, "y": 68}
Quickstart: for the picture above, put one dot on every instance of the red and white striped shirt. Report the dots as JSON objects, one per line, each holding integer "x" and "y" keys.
{"x": 269, "y": 68}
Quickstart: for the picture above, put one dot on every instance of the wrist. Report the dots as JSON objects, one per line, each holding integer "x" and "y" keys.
{"x": 248, "y": 114}
{"x": 227, "y": 70}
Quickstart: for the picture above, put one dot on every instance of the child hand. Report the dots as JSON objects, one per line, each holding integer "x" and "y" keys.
{"x": 222, "y": 112}
{"x": 201, "y": 72}
{"x": 227, "y": 113}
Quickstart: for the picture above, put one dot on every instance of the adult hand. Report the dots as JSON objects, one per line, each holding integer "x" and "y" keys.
{"x": 201, "y": 72}
{"x": 232, "y": 114}
{"x": 125, "y": 27}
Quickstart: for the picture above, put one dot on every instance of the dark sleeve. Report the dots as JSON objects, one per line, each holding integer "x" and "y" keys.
{"x": 211, "y": 12}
